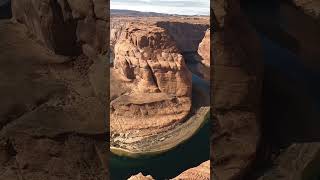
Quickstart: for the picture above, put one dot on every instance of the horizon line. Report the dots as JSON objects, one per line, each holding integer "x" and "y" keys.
{"x": 161, "y": 12}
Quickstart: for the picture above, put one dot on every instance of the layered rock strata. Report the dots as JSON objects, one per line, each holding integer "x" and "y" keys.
{"x": 236, "y": 90}
{"x": 153, "y": 86}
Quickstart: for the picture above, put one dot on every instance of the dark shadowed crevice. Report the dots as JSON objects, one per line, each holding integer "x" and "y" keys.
{"x": 5, "y": 9}
{"x": 64, "y": 32}
{"x": 290, "y": 103}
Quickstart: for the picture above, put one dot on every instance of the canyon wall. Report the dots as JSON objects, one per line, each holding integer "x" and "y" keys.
{"x": 300, "y": 161}
{"x": 204, "y": 49}
{"x": 155, "y": 81}
{"x": 187, "y": 35}
{"x": 66, "y": 27}
{"x": 236, "y": 79}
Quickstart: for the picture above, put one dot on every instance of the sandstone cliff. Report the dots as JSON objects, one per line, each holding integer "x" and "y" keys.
{"x": 186, "y": 35}
{"x": 153, "y": 79}
{"x": 236, "y": 90}
{"x": 204, "y": 49}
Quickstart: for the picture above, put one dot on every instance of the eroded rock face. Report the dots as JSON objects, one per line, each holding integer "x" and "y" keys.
{"x": 204, "y": 49}
{"x": 116, "y": 27}
{"x": 201, "y": 172}
{"x": 310, "y": 7}
{"x": 65, "y": 26}
{"x": 299, "y": 161}
{"x": 155, "y": 81}
{"x": 53, "y": 132}
{"x": 236, "y": 90}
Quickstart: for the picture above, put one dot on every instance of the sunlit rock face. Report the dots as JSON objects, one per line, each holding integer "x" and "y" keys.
{"x": 236, "y": 90}
{"x": 65, "y": 27}
{"x": 155, "y": 81}
{"x": 116, "y": 27}
{"x": 140, "y": 176}
{"x": 151, "y": 57}
{"x": 204, "y": 49}
{"x": 201, "y": 172}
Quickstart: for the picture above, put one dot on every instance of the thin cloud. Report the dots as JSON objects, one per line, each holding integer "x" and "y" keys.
{"x": 183, "y": 7}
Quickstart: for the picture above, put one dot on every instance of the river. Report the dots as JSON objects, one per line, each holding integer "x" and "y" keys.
{"x": 170, "y": 164}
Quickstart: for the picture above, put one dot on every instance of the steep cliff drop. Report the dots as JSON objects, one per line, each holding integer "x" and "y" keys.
{"x": 204, "y": 49}
{"x": 159, "y": 108}
{"x": 151, "y": 92}
{"x": 237, "y": 79}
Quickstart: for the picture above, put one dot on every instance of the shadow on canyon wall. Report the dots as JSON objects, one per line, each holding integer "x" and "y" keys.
{"x": 290, "y": 97}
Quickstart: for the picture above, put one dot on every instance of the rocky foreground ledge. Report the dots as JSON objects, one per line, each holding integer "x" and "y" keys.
{"x": 201, "y": 172}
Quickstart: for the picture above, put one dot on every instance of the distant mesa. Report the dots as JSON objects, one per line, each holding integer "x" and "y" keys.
{"x": 123, "y": 12}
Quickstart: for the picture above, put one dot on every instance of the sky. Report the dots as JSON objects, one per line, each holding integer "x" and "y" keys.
{"x": 182, "y": 7}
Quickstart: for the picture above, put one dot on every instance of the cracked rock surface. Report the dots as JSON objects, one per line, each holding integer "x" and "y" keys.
{"x": 48, "y": 128}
